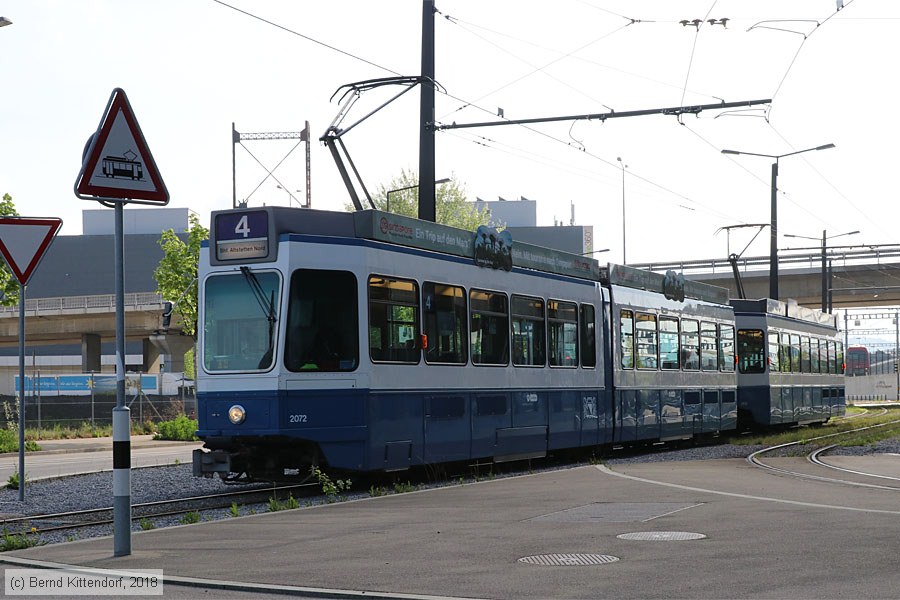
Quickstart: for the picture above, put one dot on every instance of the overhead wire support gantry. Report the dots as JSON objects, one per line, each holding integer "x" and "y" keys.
{"x": 674, "y": 110}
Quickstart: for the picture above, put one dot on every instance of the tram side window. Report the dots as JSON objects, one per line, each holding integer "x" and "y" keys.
{"x": 393, "y": 319}
{"x": 708, "y": 347}
{"x": 588, "y": 336}
{"x": 751, "y": 353}
{"x": 563, "y": 333}
{"x": 804, "y": 355}
{"x": 839, "y": 359}
{"x": 645, "y": 332}
{"x": 814, "y": 355}
{"x": 323, "y": 321}
{"x": 785, "y": 352}
{"x": 668, "y": 343}
{"x": 832, "y": 363}
{"x": 774, "y": 365}
{"x": 690, "y": 345}
{"x": 445, "y": 323}
{"x": 489, "y": 337}
{"x": 626, "y": 338}
{"x": 726, "y": 348}
{"x": 795, "y": 353}
{"x": 528, "y": 331}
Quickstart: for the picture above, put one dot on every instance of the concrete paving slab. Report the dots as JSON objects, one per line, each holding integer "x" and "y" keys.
{"x": 766, "y": 537}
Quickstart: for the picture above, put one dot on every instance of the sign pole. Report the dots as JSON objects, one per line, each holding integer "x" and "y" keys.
{"x": 121, "y": 414}
{"x": 21, "y": 392}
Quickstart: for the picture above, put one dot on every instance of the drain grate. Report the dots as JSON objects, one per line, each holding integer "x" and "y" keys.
{"x": 568, "y": 560}
{"x": 661, "y": 536}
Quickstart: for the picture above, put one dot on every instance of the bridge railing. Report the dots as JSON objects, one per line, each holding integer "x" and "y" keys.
{"x": 839, "y": 256}
{"x": 94, "y": 303}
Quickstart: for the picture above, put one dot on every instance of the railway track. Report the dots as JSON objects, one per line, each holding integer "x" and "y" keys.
{"x": 814, "y": 458}
{"x": 78, "y": 519}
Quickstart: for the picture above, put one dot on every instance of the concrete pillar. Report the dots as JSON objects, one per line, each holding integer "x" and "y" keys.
{"x": 151, "y": 357}
{"x": 172, "y": 347}
{"x": 90, "y": 352}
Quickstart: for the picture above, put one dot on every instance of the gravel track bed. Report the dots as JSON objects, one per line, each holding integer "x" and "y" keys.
{"x": 82, "y": 492}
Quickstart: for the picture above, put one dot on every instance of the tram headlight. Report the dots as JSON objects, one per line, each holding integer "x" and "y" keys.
{"x": 236, "y": 414}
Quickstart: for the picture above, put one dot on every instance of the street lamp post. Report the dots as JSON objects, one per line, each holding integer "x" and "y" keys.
{"x": 773, "y": 245}
{"x": 387, "y": 195}
{"x": 622, "y": 163}
{"x": 290, "y": 195}
{"x": 825, "y": 238}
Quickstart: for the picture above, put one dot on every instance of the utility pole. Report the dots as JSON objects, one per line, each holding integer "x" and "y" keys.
{"x": 427, "y": 208}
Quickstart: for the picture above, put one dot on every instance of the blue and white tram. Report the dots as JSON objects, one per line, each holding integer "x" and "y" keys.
{"x": 790, "y": 364}
{"x": 369, "y": 341}
{"x": 673, "y": 367}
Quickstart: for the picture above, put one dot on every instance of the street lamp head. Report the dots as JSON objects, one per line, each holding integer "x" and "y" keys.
{"x": 4, "y": 22}
{"x": 825, "y": 147}
{"x": 730, "y": 152}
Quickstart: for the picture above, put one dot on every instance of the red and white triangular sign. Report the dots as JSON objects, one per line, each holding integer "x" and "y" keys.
{"x": 23, "y": 242}
{"x": 118, "y": 164}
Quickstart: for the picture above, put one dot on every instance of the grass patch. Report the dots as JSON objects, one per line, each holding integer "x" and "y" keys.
{"x": 804, "y": 434}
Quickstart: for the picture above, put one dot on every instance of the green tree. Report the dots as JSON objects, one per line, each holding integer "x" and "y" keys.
{"x": 176, "y": 275}
{"x": 450, "y": 201}
{"x": 9, "y": 285}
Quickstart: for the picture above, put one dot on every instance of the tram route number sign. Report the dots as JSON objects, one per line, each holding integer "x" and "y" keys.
{"x": 243, "y": 235}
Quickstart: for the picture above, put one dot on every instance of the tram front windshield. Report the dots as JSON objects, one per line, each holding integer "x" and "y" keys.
{"x": 240, "y": 321}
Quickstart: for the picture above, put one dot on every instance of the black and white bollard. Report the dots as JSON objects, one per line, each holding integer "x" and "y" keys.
{"x": 121, "y": 480}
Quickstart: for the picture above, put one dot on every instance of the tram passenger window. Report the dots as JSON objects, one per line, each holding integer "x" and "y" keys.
{"x": 445, "y": 323}
{"x": 588, "y": 336}
{"x": 795, "y": 353}
{"x": 489, "y": 335}
{"x": 774, "y": 347}
{"x": 323, "y": 321}
{"x": 835, "y": 357}
{"x": 751, "y": 353}
{"x": 668, "y": 343}
{"x": 528, "y": 331}
{"x": 626, "y": 338}
{"x": 393, "y": 319}
{"x": 785, "y": 349}
{"x": 804, "y": 355}
{"x": 562, "y": 333}
{"x": 690, "y": 345}
{"x": 708, "y": 347}
{"x": 814, "y": 355}
{"x": 726, "y": 348}
{"x": 645, "y": 336}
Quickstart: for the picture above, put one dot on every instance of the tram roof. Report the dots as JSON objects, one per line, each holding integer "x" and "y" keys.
{"x": 406, "y": 231}
{"x": 789, "y": 309}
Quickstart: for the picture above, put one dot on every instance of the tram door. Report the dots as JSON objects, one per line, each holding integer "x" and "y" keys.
{"x": 712, "y": 412}
{"x": 447, "y": 431}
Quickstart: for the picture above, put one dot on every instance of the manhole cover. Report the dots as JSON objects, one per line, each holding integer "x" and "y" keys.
{"x": 661, "y": 536}
{"x": 568, "y": 560}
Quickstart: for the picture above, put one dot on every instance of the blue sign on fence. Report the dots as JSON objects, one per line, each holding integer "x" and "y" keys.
{"x": 82, "y": 385}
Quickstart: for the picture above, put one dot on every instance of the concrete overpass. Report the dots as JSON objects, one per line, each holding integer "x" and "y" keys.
{"x": 89, "y": 320}
{"x": 860, "y": 275}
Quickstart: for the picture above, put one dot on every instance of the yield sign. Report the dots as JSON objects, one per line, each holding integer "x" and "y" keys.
{"x": 23, "y": 242}
{"x": 117, "y": 163}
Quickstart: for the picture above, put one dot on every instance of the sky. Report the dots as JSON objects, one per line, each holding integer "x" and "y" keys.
{"x": 191, "y": 69}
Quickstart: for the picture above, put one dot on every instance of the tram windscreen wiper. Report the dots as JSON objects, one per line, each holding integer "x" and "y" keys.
{"x": 268, "y": 307}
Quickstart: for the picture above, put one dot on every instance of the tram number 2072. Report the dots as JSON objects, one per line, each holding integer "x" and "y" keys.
{"x": 296, "y": 418}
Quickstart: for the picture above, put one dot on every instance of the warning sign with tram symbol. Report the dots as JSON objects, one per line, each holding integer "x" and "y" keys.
{"x": 117, "y": 162}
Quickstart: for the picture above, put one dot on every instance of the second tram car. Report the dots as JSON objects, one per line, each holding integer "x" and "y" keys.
{"x": 370, "y": 341}
{"x": 790, "y": 364}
